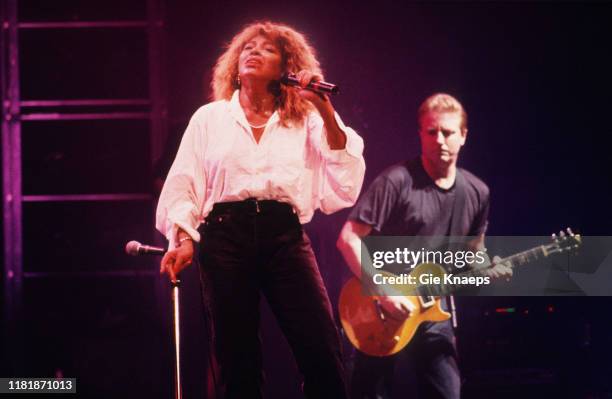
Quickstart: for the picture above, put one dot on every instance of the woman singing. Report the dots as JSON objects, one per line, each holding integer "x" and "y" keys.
{"x": 252, "y": 167}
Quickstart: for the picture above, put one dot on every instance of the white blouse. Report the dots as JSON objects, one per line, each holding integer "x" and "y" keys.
{"x": 220, "y": 161}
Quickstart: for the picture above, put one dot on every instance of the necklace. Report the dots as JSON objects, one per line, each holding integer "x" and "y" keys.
{"x": 257, "y": 127}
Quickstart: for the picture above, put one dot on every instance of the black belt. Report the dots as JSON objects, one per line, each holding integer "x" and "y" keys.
{"x": 252, "y": 205}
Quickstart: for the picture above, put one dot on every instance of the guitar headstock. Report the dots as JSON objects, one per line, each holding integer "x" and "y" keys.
{"x": 566, "y": 241}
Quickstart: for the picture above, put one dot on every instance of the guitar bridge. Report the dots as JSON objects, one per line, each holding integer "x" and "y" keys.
{"x": 379, "y": 310}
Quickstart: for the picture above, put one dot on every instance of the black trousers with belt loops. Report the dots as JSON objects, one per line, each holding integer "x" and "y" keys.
{"x": 250, "y": 248}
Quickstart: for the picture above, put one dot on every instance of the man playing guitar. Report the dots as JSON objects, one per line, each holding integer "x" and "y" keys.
{"x": 420, "y": 197}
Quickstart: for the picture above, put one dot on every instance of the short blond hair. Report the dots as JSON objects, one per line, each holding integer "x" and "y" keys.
{"x": 442, "y": 102}
{"x": 296, "y": 53}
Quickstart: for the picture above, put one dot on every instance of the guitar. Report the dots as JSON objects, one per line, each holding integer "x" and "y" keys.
{"x": 371, "y": 331}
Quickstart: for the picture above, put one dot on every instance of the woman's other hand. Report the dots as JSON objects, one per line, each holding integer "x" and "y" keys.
{"x": 177, "y": 259}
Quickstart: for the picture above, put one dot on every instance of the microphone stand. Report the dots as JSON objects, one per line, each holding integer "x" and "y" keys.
{"x": 135, "y": 248}
{"x": 178, "y": 393}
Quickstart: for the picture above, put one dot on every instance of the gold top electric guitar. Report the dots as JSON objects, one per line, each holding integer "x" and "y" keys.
{"x": 373, "y": 332}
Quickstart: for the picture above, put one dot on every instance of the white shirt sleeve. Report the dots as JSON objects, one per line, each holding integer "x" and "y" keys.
{"x": 341, "y": 171}
{"x": 182, "y": 197}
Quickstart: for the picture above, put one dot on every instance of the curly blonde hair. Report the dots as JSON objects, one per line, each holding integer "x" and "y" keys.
{"x": 296, "y": 53}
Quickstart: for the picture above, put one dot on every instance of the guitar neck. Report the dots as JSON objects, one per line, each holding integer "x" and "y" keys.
{"x": 525, "y": 257}
{"x": 512, "y": 261}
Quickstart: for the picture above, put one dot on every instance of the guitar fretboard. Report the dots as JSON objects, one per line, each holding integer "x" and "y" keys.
{"x": 512, "y": 261}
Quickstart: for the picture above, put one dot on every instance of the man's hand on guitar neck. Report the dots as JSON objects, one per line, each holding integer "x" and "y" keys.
{"x": 499, "y": 270}
{"x": 494, "y": 268}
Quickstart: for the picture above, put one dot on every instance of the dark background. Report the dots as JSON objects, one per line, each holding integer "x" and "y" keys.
{"x": 533, "y": 77}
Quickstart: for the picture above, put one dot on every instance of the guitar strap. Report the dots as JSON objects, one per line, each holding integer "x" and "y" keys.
{"x": 454, "y": 227}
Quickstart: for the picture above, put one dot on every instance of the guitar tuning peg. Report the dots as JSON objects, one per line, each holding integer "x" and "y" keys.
{"x": 570, "y": 232}
{"x": 553, "y": 237}
{"x": 562, "y": 234}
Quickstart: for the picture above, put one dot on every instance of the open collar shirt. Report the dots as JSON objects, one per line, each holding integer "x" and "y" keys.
{"x": 219, "y": 160}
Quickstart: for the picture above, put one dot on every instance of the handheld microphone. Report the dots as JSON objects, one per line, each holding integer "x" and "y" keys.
{"x": 135, "y": 248}
{"x": 317, "y": 87}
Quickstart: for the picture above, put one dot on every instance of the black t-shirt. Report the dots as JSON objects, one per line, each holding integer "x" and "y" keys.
{"x": 404, "y": 200}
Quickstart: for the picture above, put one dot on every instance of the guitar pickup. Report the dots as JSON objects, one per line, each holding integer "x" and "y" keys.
{"x": 427, "y": 301}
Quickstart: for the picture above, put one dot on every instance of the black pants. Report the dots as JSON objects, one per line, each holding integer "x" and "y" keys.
{"x": 251, "y": 248}
{"x": 432, "y": 359}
